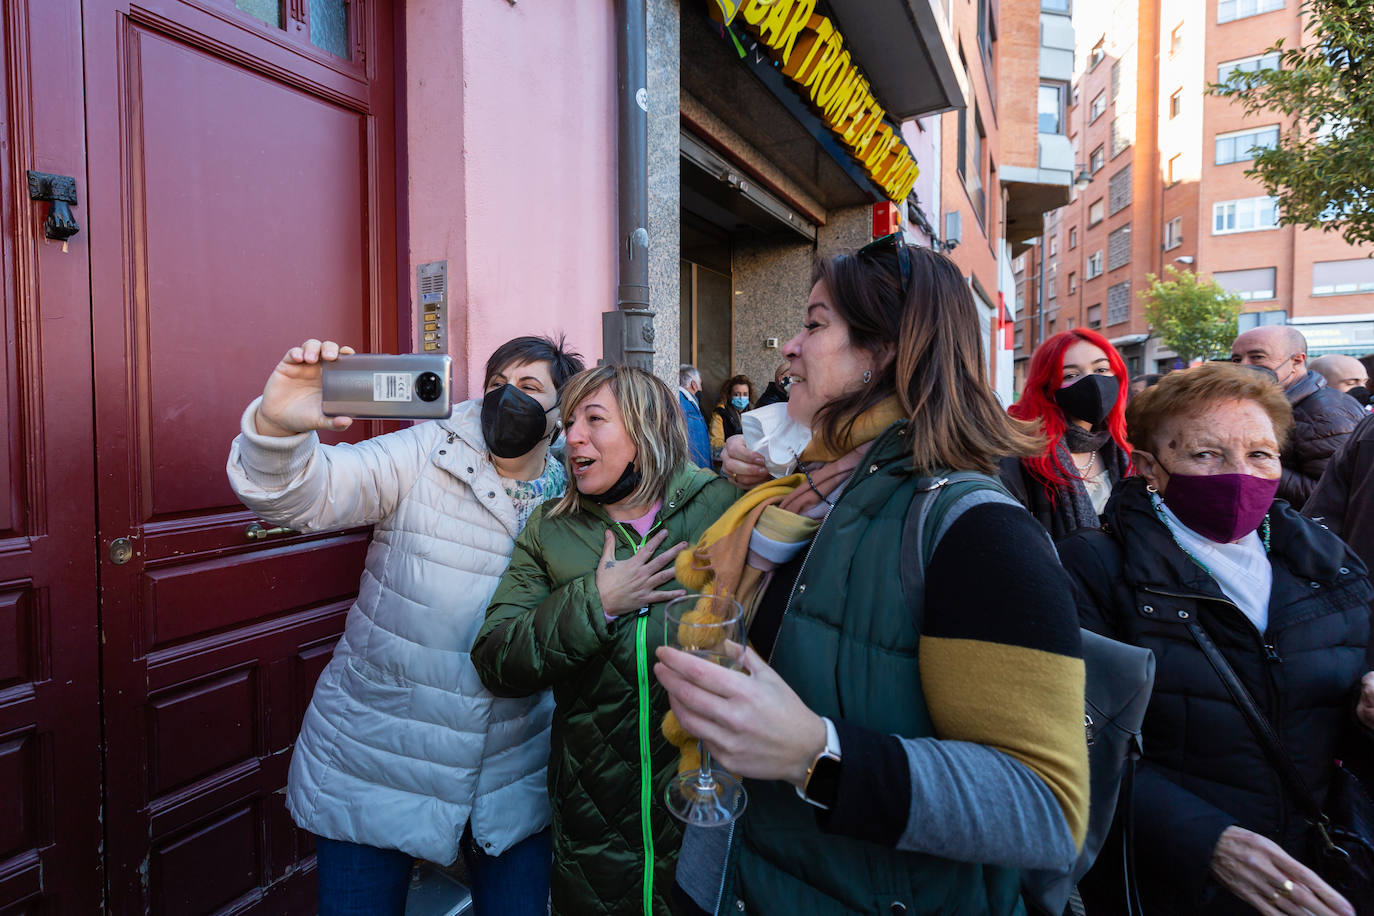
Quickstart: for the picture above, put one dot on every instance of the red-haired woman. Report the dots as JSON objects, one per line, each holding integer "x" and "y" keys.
{"x": 1076, "y": 391}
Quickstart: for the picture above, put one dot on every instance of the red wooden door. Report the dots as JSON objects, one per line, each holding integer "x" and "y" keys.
{"x": 242, "y": 198}
{"x": 49, "y": 664}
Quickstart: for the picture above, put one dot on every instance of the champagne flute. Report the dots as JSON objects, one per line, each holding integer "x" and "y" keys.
{"x": 709, "y": 627}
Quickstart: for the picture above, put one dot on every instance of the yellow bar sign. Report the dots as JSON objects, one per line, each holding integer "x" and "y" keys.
{"x": 811, "y": 53}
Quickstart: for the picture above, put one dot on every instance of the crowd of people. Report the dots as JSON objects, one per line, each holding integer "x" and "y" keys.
{"x": 908, "y": 718}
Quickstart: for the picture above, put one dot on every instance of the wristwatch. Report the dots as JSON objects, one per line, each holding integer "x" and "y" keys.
{"x": 822, "y": 784}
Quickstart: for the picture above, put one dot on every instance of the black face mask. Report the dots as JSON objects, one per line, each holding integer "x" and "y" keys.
{"x": 622, "y": 488}
{"x": 1091, "y": 398}
{"x": 1360, "y": 393}
{"x": 512, "y": 421}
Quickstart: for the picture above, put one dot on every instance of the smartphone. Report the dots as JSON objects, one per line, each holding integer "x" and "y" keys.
{"x": 383, "y": 386}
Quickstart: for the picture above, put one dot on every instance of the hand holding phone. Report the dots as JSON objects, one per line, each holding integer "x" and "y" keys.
{"x": 292, "y": 400}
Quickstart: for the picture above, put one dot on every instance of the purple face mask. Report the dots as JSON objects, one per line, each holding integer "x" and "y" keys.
{"x": 1220, "y": 507}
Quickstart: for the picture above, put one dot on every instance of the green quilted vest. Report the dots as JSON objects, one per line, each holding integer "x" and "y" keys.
{"x": 848, "y": 647}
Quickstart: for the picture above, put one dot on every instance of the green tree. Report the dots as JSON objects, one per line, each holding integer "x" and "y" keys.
{"x": 1194, "y": 318}
{"x": 1322, "y": 170}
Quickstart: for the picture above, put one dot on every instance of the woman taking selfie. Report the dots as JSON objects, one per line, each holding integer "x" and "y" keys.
{"x": 403, "y": 754}
{"x": 1076, "y": 392}
{"x": 580, "y": 610}
{"x": 888, "y": 730}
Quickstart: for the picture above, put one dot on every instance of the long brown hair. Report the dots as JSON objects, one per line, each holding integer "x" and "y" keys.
{"x": 935, "y": 368}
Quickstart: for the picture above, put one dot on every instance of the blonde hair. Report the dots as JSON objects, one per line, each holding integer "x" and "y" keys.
{"x": 1187, "y": 392}
{"x": 652, "y": 418}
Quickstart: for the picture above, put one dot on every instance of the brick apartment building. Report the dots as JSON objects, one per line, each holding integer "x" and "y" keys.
{"x": 990, "y": 168}
{"x": 1160, "y": 180}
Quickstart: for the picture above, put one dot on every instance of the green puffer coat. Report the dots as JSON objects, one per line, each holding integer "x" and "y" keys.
{"x": 614, "y": 844}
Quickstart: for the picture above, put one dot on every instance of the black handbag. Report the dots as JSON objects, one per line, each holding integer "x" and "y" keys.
{"x": 1343, "y": 834}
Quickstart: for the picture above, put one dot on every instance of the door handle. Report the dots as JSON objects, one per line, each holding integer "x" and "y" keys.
{"x": 61, "y": 191}
{"x": 257, "y": 532}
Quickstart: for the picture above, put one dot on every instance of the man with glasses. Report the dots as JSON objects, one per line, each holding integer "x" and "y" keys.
{"x": 1322, "y": 416}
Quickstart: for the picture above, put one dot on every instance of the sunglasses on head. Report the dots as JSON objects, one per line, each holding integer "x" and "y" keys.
{"x": 897, "y": 243}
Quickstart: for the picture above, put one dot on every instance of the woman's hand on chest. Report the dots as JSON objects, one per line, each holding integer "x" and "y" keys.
{"x": 627, "y": 585}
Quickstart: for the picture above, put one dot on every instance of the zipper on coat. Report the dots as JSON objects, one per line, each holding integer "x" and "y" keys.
{"x": 645, "y": 765}
{"x": 645, "y": 770}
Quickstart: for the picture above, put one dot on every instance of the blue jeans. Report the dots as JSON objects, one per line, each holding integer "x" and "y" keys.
{"x": 357, "y": 880}
{"x": 515, "y": 883}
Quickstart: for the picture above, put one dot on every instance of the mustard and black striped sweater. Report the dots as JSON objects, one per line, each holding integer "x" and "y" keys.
{"x": 1006, "y": 780}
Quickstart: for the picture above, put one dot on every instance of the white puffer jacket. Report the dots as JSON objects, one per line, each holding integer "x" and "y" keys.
{"x": 402, "y": 744}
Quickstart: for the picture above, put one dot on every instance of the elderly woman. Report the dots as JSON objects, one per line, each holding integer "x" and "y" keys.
{"x": 1198, "y": 538}
{"x": 906, "y": 749}
{"x": 1076, "y": 393}
{"x": 580, "y": 610}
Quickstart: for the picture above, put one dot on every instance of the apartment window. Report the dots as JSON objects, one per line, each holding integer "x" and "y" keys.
{"x": 1054, "y": 246}
{"x": 1242, "y": 145}
{"x": 1116, "y": 79}
{"x": 1094, "y": 268}
{"x": 1228, "y": 10}
{"x": 1121, "y": 139}
{"x": 1073, "y": 237}
{"x": 987, "y": 37}
{"x": 1098, "y": 52}
{"x": 1097, "y": 160}
{"x": 1051, "y": 111}
{"x": 1099, "y": 105}
{"x": 1118, "y": 302}
{"x": 1052, "y": 289}
{"x": 970, "y": 163}
{"x": 1248, "y": 321}
{"x": 1248, "y": 284}
{"x": 1095, "y": 316}
{"x": 1229, "y": 68}
{"x": 1018, "y": 265}
{"x": 1020, "y": 339}
{"x": 1176, "y": 40}
{"x": 1095, "y": 212}
{"x": 1073, "y": 283}
{"x": 1119, "y": 247}
{"x": 1119, "y": 191}
{"x": 1245, "y": 215}
{"x": 1176, "y": 104}
{"x": 1173, "y": 233}
{"x": 1175, "y": 167}
{"x": 1337, "y": 278}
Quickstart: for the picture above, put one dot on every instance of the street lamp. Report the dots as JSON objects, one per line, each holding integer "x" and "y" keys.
{"x": 1083, "y": 178}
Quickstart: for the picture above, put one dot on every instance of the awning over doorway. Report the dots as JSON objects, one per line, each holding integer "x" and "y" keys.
{"x": 719, "y": 192}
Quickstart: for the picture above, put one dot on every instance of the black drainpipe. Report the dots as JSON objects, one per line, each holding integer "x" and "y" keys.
{"x": 627, "y": 334}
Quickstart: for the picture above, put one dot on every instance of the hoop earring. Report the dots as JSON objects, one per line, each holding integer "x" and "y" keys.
{"x": 1151, "y": 488}
{"x": 868, "y": 376}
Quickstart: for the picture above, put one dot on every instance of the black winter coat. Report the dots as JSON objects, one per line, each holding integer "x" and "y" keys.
{"x": 1344, "y": 499}
{"x": 1322, "y": 419}
{"x": 1203, "y": 770}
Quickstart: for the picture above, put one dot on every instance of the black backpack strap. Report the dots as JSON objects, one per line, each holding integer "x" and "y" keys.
{"x": 940, "y": 500}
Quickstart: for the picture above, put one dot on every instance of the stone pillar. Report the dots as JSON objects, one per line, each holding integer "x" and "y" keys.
{"x": 665, "y": 195}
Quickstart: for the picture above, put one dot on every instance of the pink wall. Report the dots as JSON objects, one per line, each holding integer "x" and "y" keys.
{"x": 511, "y": 163}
